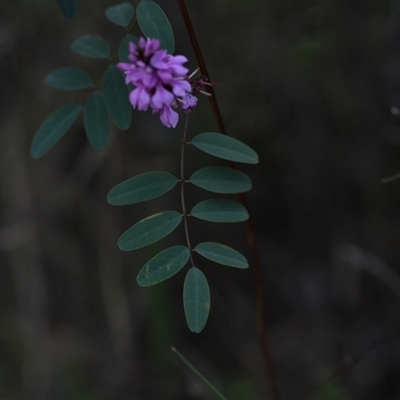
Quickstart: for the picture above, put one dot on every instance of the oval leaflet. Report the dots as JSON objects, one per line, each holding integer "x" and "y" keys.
{"x": 53, "y": 128}
{"x": 196, "y": 299}
{"x": 221, "y": 180}
{"x": 91, "y": 47}
{"x": 220, "y": 210}
{"x": 69, "y": 78}
{"x": 154, "y": 24}
{"x": 222, "y": 254}
{"x": 225, "y": 147}
{"x": 117, "y": 98}
{"x": 95, "y": 120}
{"x": 121, "y": 14}
{"x": 142, "y": 187}
{"x": 163, "y": 265}
{"x": 149, "y": 230}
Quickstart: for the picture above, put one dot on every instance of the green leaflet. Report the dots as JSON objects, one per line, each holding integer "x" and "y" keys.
{"x": 53, "y": 128}
{"x": 149, "y": 230}
{"x": 220, "y": 210}
{"x": 163, "y": 265}
{"x": 68, "y": 7}
{"x": 154, "y": 24}
{"x": 124, "y": 47}
{"x": 222, "y": 254}
{"x": 117, "y": 98}
{"x": 91, "y": 47}
{"x": 225, "y": 147}
{"x": 196, "y": 300}
{"x": 121, "y": 14}
{"x": 142, "y": 187}
{"x": 95, "y": 120}
{"x": 69, "y": 78}
{"x": 221, "y": 180}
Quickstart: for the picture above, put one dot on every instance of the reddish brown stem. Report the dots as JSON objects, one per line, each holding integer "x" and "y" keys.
{"x": 256, "y": 265}
{"x": 202, "y": 65}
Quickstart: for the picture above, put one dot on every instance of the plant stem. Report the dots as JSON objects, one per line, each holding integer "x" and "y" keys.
{"x": 390, "y": 178}
{"x": 200, "y": 375}
{"x": 202, "y": 65}
{"x": 256, "y": 265}
{"x": 185, "y": 215}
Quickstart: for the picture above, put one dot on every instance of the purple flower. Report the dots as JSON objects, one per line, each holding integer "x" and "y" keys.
{"x": 139, "y": 98}
{"x": 160, "y": 80}
{"x": 169, "y": 117}
{"x": 188, "y": 102}
{"x": 161, "y": 97}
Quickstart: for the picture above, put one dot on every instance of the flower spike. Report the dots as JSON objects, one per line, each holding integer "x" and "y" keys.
{"x": 160, "y": 80}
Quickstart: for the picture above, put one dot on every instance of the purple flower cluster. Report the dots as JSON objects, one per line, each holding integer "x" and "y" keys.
{"x": 160, "y": 80}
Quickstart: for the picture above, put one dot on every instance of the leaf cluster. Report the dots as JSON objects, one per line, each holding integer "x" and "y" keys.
{"x": 109, "y": 100}
{"x": 215, "y": 179}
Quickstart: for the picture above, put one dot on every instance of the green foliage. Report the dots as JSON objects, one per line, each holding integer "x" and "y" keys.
{"x": 53, "y": 128}
{"x": 163, "y": 265}
{"x": 149, "y": 230}
{"x": 220, "y": 210}
{"x": 154, "y": 24}
{"x": 225, "y": 147}
{"x": 91, "y": 47}
{"x": 121, "y": 14}
{"x": 95, "y": 119}
{"x": 222, "y": 254}
{"x": 124, "y": 47}
{"x": 116, "y": 96}
{"x": 69, "y": 78}
{"x": 196, "y": 299}
{"x": 113, "y": 102}
{"x": 68, "y": 7}
{"x": 141, "y": 188}
{"x": 221, "y": 180}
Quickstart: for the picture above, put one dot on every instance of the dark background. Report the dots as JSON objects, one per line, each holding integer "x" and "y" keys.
{"x": 314, "y": 87}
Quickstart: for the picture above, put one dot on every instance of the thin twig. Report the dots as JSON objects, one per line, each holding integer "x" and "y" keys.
{"x": 185, "y": 215}
{"x": 199, "y": 374}
{"x": 202, "y": 65}
{"x": 257, "y": 270}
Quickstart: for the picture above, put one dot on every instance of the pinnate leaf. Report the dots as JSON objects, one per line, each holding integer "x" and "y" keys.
{"x": 163, "y": 265}
{"x": 221, "y": 180}
{"x": 225, "y": 147}
{"x": 69, "y": 78}
{"x": 196, "y": 300}
{"x": 68, "y": 7}
{"x": 149, "y": 230}
{"x": 117, "y": 98}
{"x": 141, "y": 188}
{"x": 91, "y": 47}
{"x": 154, "y": 24}
{"x": 121, "y": 14}
{"x": 95, "y": 119}
{"x": 220, "y": 210}
{"x": 53, "y": 128}
{"x": 222, "y": 254}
